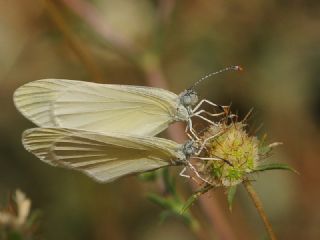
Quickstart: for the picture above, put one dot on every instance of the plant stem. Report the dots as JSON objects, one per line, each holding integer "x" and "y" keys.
{"x": 258, "y": 204}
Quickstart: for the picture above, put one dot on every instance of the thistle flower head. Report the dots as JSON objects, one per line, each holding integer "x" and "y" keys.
{"x": 236, "y": 154}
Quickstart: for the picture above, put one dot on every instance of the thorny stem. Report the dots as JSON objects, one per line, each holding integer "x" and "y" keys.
{"x": 258, "y": 204}
{"x": 74, "y": 43}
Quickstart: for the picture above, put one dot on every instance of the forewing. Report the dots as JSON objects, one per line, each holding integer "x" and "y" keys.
{"x": 103, "y": 157}
{"x": 97, "y": 107}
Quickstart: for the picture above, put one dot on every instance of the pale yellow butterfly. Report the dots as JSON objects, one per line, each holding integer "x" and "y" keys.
{"x": 107, "y": 107}
{"x": 106, "y": 157}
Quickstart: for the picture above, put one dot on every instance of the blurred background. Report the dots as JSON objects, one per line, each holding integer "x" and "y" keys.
{"x": 170, "y": 44}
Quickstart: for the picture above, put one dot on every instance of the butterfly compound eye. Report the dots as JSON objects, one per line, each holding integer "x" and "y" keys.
{"x": 189, "y": 98}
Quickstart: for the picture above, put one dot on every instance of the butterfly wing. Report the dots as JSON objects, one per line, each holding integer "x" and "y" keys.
{"x": 103, "y": 157}
{"x": 97, "y": 107}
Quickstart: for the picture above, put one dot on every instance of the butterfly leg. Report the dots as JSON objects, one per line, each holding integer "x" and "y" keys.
{"x": 182, "y": 173}
{"x": 202, "y": 102}
{"x": 190, "y": 128}
{"x": 205, "y": 119}
{"x": 214, "y": 159}
{"x": 194, "y": 134}
{"x": 208, "y": 158}
{"x": 225, "y": 109}
{"x": 197, "y": 173}
{"x": 208, "y": 113}
{"x": 203, "y": 144}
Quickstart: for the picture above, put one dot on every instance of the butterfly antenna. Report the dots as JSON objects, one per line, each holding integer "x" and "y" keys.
{"x": 231, "y": 68}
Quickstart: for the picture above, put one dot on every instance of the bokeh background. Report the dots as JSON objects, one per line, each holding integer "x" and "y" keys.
{"x": 145, "y": 42}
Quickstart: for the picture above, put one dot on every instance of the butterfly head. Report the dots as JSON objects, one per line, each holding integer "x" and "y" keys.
{"x": 189, "y": 148}
{"x": 189, "y": 97}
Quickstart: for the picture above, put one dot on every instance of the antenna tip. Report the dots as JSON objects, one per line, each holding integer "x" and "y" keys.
{"x": 238, "y": 68}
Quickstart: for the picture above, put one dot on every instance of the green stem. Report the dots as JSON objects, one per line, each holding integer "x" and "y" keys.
{"x": 258, "y": 204}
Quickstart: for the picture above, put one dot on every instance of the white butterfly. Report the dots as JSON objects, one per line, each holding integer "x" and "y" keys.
{"x": 104, "y": 108}
{"x": 106, "y": 157}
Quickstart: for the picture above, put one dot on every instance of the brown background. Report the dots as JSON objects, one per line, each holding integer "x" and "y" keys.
{"x": 277, "y": 42}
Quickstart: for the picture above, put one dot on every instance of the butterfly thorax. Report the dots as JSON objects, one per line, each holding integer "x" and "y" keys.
{"x": 182, "y": 114}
